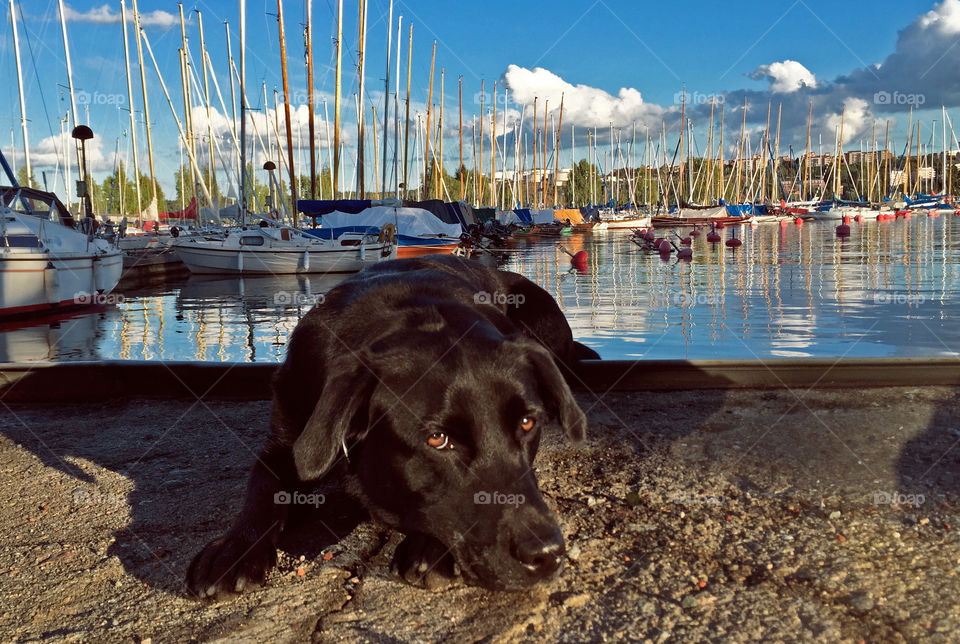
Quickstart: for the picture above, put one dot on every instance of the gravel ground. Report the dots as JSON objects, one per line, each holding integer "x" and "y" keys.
{"x": 738, "y": 515}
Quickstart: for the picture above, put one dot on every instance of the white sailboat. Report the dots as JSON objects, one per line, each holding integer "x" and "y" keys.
{"x": 280, "y": 250}
{"x": 269, "y": 247}
{"x": 46, "y": 263}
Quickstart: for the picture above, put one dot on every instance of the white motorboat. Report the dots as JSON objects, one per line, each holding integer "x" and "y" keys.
{"x": 46, "y": 262}
{"x": 280, "y": 250}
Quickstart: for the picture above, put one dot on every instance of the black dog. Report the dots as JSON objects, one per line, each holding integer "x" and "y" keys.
{"x": 427, "y": 383}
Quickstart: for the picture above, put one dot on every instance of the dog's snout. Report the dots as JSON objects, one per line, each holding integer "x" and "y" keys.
{"x": 540, "y": 554}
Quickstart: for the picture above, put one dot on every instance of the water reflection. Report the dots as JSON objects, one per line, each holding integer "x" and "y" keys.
{"x": 788, "y": 291}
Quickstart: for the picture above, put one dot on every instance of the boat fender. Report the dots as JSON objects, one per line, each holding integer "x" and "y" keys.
{"x": 388, "y": 233}
{"x": 51, "y": 283}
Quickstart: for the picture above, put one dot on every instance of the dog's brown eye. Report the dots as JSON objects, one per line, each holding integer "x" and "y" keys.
{"x": 439, "y": 440}
{"x": 527, "y": 423}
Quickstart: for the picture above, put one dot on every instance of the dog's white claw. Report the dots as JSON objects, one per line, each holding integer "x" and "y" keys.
{"x": 240, "y": 583}
{"x": 211, "y": 591}
{"x": 456, "y": 570}
{"x": 422, "y": 567}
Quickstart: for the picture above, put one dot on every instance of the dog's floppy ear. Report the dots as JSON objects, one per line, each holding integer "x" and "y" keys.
{"x": 339, "y": 419}
{"x": 556, "y": 393}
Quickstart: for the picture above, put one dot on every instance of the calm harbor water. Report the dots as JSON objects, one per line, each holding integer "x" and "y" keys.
{"x": 790, "y": 291}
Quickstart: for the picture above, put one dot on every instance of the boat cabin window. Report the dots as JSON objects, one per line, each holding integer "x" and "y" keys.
{"x": 22, "y": 241}
{"x": 251, "y": 240}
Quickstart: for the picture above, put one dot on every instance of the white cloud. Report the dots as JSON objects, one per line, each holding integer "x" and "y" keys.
{"x": 786, "y": 76}
{"x": 105, "y": 15}
{"x": 582, "y": 105}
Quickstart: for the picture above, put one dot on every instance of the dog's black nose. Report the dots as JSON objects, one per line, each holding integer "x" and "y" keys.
{"x": 540, "y": 553}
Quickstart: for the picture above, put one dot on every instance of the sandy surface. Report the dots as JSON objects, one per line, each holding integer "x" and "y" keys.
{"x": 826, "y": 515}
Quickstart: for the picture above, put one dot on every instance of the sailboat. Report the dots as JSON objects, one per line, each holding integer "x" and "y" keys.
{"x": 46, "y": 261}
{"x": 268, "y": 247}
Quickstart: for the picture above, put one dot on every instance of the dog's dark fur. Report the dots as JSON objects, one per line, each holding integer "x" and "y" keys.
{"x": 393, "y": 356}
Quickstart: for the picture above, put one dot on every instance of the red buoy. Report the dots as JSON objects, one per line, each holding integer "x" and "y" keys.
{"x": 843, "y": 230}
{"x": 733, "y": 242}
{"x": 686, "y": 241}
{"x": 579, "y": 260}
{"x": 685, "y": 253}
{"x": 665, "y": 247}
{"x": 696, "y": 233}
{"x": 719, "y": 224}
{"x": 649, "y": 236}
{"x": 858, "y": 218}
{"x": 713, "y": 237}
{"x": 798, "y": 221}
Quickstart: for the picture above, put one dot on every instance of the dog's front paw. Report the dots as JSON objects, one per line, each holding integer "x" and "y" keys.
{"x": 229, "y": 564}
{"x": 424, "y": 562}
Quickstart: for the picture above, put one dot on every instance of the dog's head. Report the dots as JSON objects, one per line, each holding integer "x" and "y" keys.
{"x": 440, "y": 424}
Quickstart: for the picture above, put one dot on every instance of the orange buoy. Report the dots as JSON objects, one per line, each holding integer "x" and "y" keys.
{"x": 798, "y": 221}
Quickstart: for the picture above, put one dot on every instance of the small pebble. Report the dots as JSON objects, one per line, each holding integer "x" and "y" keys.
{"x": 835, "y": 515}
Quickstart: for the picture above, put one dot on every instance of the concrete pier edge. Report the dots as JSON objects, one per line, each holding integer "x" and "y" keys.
{"x": 104, "y": 381}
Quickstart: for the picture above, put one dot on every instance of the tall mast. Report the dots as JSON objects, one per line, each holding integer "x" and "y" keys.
{"x": 311, "y": 128}
{"x": 766, "y": 146}
{"x": 406, "y": 118}
{"x": 73, "y": 100}
{"x": 776, "y": 157}
{"x": 361, "y": 187}
{"x": 233, "y": 97}
{"x": 534, "y": 150}
{"x": 146, "y": 105}
{"x": 438, "y": 166}
{"x": 886, "y": 160}
{"x": 23, "y": 109}
{"x": 243, "y": 110}
{"x": 720, "y": 151}
{"x": 133, "y": 122}
{"x": 683, "y": 128}
{"x": 396, "y": 113}
{"x": 838, "y": 164}
{"x": 806, "y": 169}
{"x": 211, "y": 168}
{"x": 336, "y": 107}
{"x": 906, "y": 175}
{"x": 708, "y": 184}
{"x": 479, "y": 177}
{"x": 493, "y": 150}
{"x": 187, "y": 105}
{"x": 460, "y": 130}
{"x": 286, "y": 113}
{"x": 386, "y": 100}
{"x": 556, "y": 152}
{"x": 426, "y": 155}
{"x": 743, "y": 129}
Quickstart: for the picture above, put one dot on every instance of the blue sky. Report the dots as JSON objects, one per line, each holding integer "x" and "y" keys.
{"x": 588, "y": 51}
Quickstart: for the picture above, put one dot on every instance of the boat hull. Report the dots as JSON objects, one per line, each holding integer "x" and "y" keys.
{"x": 205, "y": 258}
{"x": 668, "y": 222}
{"x": 622, "y": 224}
{"x": 32, "y": 282}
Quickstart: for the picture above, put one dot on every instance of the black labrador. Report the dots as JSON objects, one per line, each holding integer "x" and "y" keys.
{"x": 425, "y": 384}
